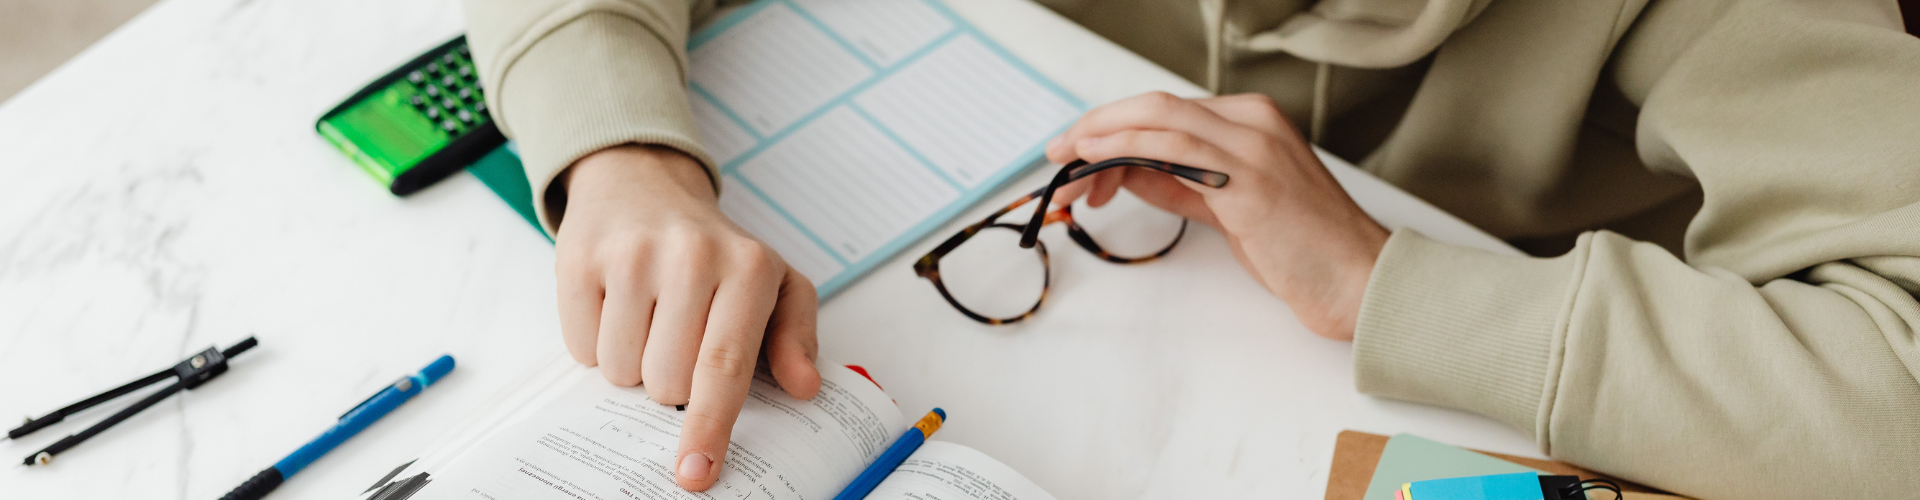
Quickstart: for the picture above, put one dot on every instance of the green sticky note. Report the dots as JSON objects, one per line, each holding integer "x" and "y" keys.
{"x": 1409, "y": 458}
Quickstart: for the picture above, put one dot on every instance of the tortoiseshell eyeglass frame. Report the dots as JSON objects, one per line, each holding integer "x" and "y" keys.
{"x": 929, "y": 265}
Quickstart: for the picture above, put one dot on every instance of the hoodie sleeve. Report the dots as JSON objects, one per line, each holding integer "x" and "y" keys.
{"x": 566, "y": 78}
{"x": 1779, "y": 359}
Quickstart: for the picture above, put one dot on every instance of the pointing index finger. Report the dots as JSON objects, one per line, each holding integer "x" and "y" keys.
{"x": 722, "y": 376}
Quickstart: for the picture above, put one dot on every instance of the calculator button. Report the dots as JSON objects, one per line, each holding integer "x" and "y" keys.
{"x": 466, "y": 93}
{"x": 449, "y": 103}
{"x": 480, "y": 107}
{"x": 465, "y": 116}
{"x": 433, "y": 91}
{"x": 417, "y": 100}
{"x": 447, "y": 59}
{"x": 433, "y": 113}
{"x": 416, "y": 77}
{"x": 464, "y": 50}
{"x": 466, "y": 71}
{"x": 449, "y": 125}
{"x": 447, "y": 81}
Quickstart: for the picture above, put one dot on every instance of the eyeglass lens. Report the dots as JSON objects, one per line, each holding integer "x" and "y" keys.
{"x": 992, "y": 276}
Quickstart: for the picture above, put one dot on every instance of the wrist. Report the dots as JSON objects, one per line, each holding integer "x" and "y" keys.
{"x": 1325, "y": 282}
{"x": 1343, "y": 305}
{"x": 657, "y": 172}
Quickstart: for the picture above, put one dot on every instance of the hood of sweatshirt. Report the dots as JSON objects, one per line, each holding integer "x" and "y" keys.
{"x": 1355, "y": 33}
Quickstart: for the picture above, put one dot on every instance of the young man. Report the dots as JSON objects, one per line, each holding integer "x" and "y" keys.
{"x": 1733, "y": 190}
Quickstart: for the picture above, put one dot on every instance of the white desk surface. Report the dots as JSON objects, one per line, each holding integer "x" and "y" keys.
{"x": 165, "y": 191}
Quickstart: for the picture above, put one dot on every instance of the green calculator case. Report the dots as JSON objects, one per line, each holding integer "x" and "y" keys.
{"x": 419, "y": 124}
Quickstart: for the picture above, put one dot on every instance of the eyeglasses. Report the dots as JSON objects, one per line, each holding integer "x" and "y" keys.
{"x": 995, "y": 261}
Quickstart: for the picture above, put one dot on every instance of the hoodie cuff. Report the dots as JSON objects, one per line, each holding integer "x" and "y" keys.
{"x": 599, "y": 81}
{"x": 1466, "y": 329}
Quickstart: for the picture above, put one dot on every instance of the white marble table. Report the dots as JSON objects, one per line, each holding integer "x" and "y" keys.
{"x": 164, "y": 192}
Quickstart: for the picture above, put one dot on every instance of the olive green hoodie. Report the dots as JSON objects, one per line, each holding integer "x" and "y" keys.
{"x": 1760, "y": 343}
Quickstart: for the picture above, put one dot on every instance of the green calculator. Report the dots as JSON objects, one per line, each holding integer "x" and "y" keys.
{"x": 419, "y": 124}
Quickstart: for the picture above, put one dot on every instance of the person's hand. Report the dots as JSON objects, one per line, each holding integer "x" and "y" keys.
{"x": 660, "y": 289}
{"x": 1285, "y": 217}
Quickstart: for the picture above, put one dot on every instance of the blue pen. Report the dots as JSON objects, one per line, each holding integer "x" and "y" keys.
{"x": 894, "y": 455}
{"x": 351, "y": 423}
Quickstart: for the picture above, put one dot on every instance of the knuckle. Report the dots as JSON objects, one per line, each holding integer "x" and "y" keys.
{"x": 573, "y": 270}
{"x": 755, "y": 257}
{"x": 703, "y": 421}
{"x": 803, "y": 287}
{"x": 626, "y": 245}
{"x": 727, "y": 362}
{"x": 696, "y": 250}
{"x": 1266, "y": 111}
{"x": 1160, "y": 98}
{"x": 574, "y": 260}
{"x": 1162, "y": 102}
{"x": 622, "y": 254}
{"x": 1256, "y": 99}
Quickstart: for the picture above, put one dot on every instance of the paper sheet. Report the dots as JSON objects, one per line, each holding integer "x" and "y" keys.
{"x": 946, "y": 471}
{"x": 598, "y": 441}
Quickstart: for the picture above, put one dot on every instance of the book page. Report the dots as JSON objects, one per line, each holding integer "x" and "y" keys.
{"x": 946, "y": 471}
{"x": 599, "y": 441}
{"x": 846, "y": 130}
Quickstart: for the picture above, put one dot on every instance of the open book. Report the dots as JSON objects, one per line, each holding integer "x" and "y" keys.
{"x": 565, "y": 433}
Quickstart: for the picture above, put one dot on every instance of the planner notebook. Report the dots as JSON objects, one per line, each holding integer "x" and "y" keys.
{"x": 846, "y": 130}
{"x": 565, "y": 433}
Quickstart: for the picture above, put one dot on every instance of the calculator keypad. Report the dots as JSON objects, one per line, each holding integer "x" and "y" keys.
{"x": 447, "y": 91}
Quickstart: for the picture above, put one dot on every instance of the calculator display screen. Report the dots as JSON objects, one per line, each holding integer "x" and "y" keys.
{"x": 385, "y": 134}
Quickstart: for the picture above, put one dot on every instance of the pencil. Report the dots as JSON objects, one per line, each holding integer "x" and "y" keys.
{"x": 909, "y": 441}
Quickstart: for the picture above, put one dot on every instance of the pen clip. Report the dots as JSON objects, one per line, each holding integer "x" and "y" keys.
{"x": 405, "y": 383}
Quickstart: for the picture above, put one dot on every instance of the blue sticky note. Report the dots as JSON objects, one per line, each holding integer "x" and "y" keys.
{"x": 1516, "y": 486}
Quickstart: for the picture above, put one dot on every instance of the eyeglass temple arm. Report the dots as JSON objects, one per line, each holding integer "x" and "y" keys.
{"x": 1080, "y": 169}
